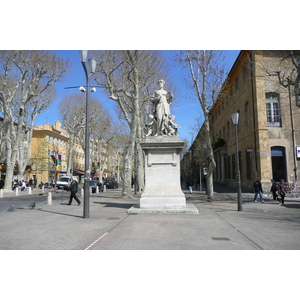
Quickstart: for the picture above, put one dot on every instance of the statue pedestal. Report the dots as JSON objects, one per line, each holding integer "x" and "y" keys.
{"x": 163, "y": 192}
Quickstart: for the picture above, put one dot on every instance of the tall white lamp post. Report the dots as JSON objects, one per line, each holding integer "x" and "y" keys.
{"x": 235, "y": 121}
{"x": 92, "y": 65}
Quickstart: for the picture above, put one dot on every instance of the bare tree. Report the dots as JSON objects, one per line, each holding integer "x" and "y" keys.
{"x": 127, "y": 77}
{"x": 205, "y": 78}
{"x": 26, "y": 88}
{"x": 72, "y": 110}
{"x": 285, "y": 65}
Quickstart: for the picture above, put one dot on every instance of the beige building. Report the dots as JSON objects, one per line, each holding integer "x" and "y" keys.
{"x": 268, "y": 128}
{"x": 49, "y": 143}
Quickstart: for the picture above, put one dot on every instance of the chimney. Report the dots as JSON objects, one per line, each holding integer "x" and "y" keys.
{"x": 57, "y": 125}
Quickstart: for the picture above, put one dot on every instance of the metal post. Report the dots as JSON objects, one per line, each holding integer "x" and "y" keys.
{"x": 239, "y": 190}
{"x": 86, "y": 196}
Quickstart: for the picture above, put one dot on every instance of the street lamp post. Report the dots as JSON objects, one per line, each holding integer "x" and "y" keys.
{"x": 92, "y": 63}
{"x": 235, "y": 121}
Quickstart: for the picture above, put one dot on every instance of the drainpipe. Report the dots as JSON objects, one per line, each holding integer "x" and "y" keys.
{"x": 253, "y": 108}
{"x": 293, "y": 134}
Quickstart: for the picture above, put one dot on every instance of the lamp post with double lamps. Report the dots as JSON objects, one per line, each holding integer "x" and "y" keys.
{"x": 235, "y": 121}
{"x": 92, "y": 65}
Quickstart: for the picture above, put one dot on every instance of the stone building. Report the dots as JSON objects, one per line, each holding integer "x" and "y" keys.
{"x": 268, "y": 128}
{"x": 49, "y": 143}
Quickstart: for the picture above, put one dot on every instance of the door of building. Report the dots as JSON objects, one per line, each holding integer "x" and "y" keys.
{"x": 278, "y": 163}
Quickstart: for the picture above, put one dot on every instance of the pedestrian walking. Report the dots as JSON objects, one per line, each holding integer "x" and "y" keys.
{"x": 189, "y": 183}
{"x": 274, "y": 189}
{"x": 23, "y": 185}
{"x": 2, "y": 182}
{"x": 73, "y": 189}
{"x": 281, "y": 191}
{"x": 258, "y": 190}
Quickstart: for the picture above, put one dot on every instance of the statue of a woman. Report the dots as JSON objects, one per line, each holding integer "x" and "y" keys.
{"x": 161, "y": 101}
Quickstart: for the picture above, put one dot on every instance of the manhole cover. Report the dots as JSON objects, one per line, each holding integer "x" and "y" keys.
{"x": 220, "y": 238}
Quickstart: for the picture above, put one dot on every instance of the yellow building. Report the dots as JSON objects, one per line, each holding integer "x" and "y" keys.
{"x": 268, "y": 128}
{"x": 49, "y": 152}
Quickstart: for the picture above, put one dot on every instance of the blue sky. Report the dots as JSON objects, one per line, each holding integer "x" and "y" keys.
{"x": 185, "y": 108}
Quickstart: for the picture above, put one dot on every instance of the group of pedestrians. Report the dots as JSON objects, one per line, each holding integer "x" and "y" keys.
{"x": 278, "y": 190}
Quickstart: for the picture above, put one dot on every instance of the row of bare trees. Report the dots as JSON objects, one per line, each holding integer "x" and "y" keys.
{"x": 26, "y": 89}
{"x": 129, "y": 76}
{"x": 103, "y": 131}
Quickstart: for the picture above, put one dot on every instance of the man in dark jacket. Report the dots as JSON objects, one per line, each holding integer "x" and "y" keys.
{"x": 258, "y": 190}
{"x": 1, "y": 183}
{"x": 73, "y": 189}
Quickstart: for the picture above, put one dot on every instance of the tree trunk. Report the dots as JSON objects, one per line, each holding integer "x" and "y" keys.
{"x": 140, "y": 168}
{"x": 128, "y": 160}
{"x": 70, "y": 154}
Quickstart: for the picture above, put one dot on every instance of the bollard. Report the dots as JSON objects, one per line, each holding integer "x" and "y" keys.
{"x": 17, "y": 192}
{"x": 1, "y": 193}
{"x": 104, "y": 188}
{"x": 97, "y": 189}
{"x": 49, "y": 199}
{"x": 82, "y": 192}
{"x": 29, "y": 190}
{"x": 91, "y": 191}
{"x": 43, "y": 189}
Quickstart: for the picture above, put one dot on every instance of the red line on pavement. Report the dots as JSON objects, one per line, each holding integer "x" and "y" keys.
{"x": 96, "y": 241}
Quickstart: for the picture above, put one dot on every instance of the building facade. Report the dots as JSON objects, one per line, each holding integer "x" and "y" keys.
{"x": 268, "y": 127}
{"x": 49, "y": 150}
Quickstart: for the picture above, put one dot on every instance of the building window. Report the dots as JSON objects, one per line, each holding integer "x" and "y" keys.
{"x": 273, "y": 110}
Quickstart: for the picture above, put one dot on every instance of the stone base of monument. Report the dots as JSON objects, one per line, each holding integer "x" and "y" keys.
{"x": 163, "y": 192}
{"x": 188, "y": 209}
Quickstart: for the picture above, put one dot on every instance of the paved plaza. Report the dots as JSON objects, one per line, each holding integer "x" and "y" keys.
{"x": 218, "y": 226}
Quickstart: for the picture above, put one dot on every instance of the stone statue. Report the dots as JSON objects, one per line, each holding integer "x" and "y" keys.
{"x": 159, "y": 121}
{"x": 172, "y": 127}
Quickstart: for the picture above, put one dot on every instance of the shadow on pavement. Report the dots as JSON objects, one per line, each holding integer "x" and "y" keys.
{"x": 294, "y": 205}
{"x": 119, "y": 205}
{"x": 58, "y": 213}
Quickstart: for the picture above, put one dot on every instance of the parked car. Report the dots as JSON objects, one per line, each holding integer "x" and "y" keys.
{"x": 111, "y": 184}
{"x": 94, "y": 184}
{"x": 64, "y": 182}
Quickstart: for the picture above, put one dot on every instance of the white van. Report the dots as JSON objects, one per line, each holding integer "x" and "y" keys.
{"x": 64, "y": 182}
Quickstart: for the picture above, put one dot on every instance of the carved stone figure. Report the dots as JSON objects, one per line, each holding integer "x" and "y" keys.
{"x": 172, "y": 127}
{"x": 159, "y": 122}
{"x": 150, "y": 126}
